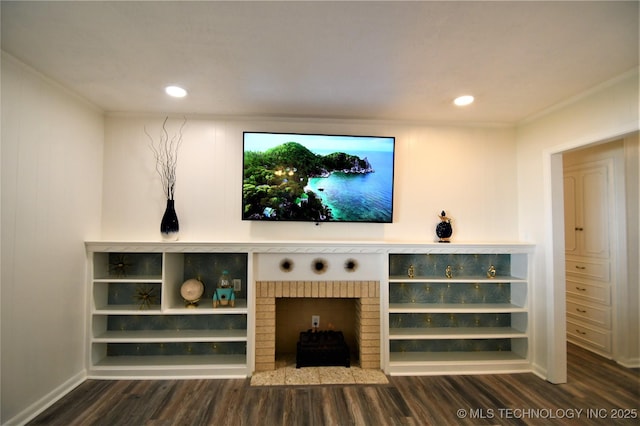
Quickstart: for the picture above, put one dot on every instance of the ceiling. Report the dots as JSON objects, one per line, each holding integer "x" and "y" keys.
{"x": 351, "y": 59}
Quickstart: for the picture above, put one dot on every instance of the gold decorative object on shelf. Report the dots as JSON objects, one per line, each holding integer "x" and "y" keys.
{"x": 119, "y": 266}
{"x": 491, "y": 273}
{"x": 145, "y": 296}
{"x": 448, "y": 272}
{"x": 411, "y": 272}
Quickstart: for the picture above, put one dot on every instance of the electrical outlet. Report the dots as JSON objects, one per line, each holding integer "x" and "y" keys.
{"x": 315, "y": 321}
{"x": 237, "y": 284}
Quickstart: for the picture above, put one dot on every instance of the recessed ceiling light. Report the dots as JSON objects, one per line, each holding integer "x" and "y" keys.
{"x": 463, "y": 100}
{"x": 175, "y": 91}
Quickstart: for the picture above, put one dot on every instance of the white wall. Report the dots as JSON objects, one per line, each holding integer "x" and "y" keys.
{"x": 606, "y": 112}
{"x": 468, "y": 171}
{"x": 51, "y": 202}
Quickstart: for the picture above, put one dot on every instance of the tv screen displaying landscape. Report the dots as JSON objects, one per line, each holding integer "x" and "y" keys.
{"x": 317, "y": 178}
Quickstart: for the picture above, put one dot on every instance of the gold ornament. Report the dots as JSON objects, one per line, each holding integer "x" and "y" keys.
{"x": 145, "y": 296}
{"x": 491, "y": 273}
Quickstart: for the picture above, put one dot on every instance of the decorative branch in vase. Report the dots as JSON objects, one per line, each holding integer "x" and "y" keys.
{"x": 165, "y": 151}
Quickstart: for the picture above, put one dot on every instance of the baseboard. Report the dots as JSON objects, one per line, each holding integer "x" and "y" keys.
{"x": 46, "y": 401}
{"x": 539, "y": 371}
{"x": 629, "y": 363}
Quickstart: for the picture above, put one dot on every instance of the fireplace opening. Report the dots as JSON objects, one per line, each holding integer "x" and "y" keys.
{"x": 293, "y": 316}
{"x": 285, "y": 308}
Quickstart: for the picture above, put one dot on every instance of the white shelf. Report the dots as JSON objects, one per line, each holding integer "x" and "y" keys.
{"x": 408, "y": 358}
{"x": 113, "y": 353}
{"x": 445, "y": 308}
{"x": 206, "y": 307}
{"x": 165, "y": 336}
{"x": 437, "y": 349}
{"x": 127, "y": 310}
{"x": 151, "y": 279}
{"x": 442, "y": 333}
{"x": 137, "y": 364}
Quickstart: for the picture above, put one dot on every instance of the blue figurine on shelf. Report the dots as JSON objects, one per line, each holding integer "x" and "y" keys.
{"x": 444, "y": 229}
{"x": 223, "y": 294}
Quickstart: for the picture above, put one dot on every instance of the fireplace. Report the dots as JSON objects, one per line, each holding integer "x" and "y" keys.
{"x": 294, "y": 315}
{"x": 366, "y": 297}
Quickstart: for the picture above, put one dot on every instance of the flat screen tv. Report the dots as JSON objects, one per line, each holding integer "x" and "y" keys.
{"x": 317, "y": 178}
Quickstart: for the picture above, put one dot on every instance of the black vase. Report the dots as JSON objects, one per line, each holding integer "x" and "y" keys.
{"x": 169, "y": 226}
{"x": 444, "y": 228}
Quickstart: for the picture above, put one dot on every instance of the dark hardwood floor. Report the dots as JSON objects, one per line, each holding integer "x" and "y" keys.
{"x": 598, "y": 392}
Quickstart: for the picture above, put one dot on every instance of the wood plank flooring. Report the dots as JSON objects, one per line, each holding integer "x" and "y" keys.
{"x": 594, "y": 383}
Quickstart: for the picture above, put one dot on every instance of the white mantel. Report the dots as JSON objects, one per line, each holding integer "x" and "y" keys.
{"x": 382, "y": 247}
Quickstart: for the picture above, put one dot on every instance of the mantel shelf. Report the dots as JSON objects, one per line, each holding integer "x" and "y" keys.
{"x": 381, "y": 247}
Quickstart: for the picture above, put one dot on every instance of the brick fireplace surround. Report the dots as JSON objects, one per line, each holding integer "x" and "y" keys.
{"x": 367, "y": 327}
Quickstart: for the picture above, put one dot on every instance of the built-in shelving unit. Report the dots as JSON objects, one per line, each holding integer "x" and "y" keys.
{"x": 458, "y": 313}
{"x": 141, "y": 327}
{"x": 432, "y": 322}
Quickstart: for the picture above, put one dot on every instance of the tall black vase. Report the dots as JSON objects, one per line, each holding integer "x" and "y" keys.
{"x": 169, "y": 226}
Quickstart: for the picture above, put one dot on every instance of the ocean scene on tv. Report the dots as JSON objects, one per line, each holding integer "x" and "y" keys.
{"x": 317, "y": 178}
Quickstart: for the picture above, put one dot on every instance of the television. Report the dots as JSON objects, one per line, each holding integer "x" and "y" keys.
{"x": 317, "y": 178}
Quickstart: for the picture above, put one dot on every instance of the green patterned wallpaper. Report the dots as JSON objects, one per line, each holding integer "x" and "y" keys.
{"x": 452, "y": 345}
{"x": 209, "y": 267}
{"x": 433, "y": 266}
{"x": 177, "y": 348}
{"x": 462, "y": 265}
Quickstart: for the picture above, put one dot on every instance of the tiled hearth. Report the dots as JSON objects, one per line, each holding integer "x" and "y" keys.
{"x": 367, "y": 327}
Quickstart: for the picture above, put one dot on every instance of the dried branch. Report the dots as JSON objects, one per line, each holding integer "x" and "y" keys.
{"x": 165, "y": 152}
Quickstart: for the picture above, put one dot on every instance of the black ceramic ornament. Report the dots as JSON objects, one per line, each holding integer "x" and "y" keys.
{"x": 444, "y": 229}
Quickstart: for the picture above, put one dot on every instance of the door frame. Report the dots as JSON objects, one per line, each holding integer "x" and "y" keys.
{"x": 555, "y": 256}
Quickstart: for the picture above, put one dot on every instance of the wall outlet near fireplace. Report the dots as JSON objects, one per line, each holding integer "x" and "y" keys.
{"x": 315, "y": 321}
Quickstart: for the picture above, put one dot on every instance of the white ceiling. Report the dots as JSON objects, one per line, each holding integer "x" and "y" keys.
{"x": 368, "y": 60}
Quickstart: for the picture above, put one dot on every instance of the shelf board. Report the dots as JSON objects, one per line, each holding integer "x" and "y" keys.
{"x": 127, "y": 310}
{"x": 206, "y": 307}
{"x": 159, "y": 362}
{"x": 441, "y": 333}
{"x": 456, "y": 280}
{"x": 142, "y": 279}
{"x": 407, "y": 308}
{"x": 166, "y": 336}
{"x": 488, "y": 357}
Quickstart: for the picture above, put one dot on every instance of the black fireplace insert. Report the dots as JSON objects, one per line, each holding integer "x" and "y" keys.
{"x": 322, "y": 348}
